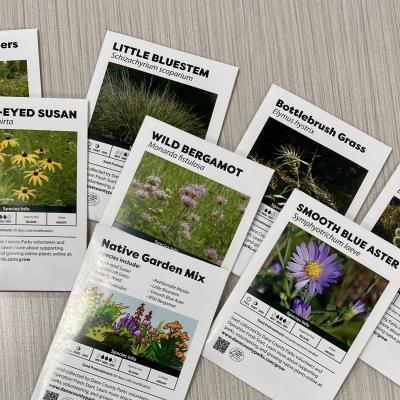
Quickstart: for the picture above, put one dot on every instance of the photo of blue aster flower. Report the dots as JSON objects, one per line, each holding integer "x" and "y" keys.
{"x": 307, "y": 279}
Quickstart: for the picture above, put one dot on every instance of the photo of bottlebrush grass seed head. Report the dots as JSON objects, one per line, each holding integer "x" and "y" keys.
{"x": 301, "y": 163}
{"x": 181, "y": 208}
{"x": 127, "y": 95}
{"x": 38, "y": 168}
{"x": 388, "y": 224}
{"x": 14, "y": 78}
{"x": 319, "y": 284}
{"x": 133, "y": 327}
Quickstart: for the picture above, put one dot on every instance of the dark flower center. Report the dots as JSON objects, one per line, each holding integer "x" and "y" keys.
{"x": 41, "y": 150}
{"x": 49, "y": 160}
{"x": 8, "y": 137}
{"x": 36, "y": 173}
{"x": 24, "y": 191}
{"x": 24, "y": 155}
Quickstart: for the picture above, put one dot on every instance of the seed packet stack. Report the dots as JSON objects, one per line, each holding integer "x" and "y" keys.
{"x": 137, "y": 317}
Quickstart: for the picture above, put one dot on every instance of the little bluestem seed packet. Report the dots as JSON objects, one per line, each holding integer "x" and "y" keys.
{"x": 135, "y": 78}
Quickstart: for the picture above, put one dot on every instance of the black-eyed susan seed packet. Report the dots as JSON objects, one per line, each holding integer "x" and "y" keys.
{"x": 187, "y": 194}
{"x": 310, "y": 150}
{"x": 383, "y": 350}
{"x": 19, "y": 64}
{"x": 307, "y": 303}
{"x": 43, "y": 217}
{"x": 134, "y": 78}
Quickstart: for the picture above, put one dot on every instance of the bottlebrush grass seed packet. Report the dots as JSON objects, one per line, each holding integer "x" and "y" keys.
{"x": 134, "y": 78}
{"x": 19, "y": 64}
{"x": 187, "y": 194}
{"x": 43, "y": 212}
{"x": 383, "y": 350}
{"x": 306, "y": 305}
{"x": 138, "y": 316}
{"x": 312, "y": 151}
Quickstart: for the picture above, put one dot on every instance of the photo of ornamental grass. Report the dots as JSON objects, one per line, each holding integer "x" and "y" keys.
{"x": 121, "y": 323}
{"x": 14, "y": 78}
{"x": 38, "y": 168}
{"x": 127, "y": 95}
{"x": 318, "y": 283}
{"x": 301, "y": 163}
{"x": 186, "y": 211}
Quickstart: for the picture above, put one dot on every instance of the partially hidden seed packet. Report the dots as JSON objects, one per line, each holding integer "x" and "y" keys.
{"x": 312, "y": 151}
{"x": 19, "y": 64}
{"x": 181, "y": 192}
{"x": 134, "y": 78}
{"x": 140, "y": 311}
{"x": 306, "y": 305}
{"x": 383, "y": 350}
{"x": 43, "y": 187}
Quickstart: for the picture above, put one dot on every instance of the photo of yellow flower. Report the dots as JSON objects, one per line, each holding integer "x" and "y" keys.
{"x": 24, "y": 193}
{"x": 8, "y": 141}
{"x": 38, "y": 169}
{"x": 50, "y": 164}
{"x": 21, "y": 159}
{"x": 36, "y": 177}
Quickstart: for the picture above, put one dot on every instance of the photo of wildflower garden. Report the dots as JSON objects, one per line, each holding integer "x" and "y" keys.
{"x": 301, "y": 163}
{"x": 38, "y": 169}
{"x": 182, "y": 209}
{"x": 127, "y": 95}
{"x": 331, "y": 291}
{"x": 109, "y": 320}
{"x": 388, "y": 224}
{"x": 14, "y": 78}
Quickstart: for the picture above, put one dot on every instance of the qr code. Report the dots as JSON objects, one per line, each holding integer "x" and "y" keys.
{"x": 221, "y": 345}
{"x": 49, "y": 395}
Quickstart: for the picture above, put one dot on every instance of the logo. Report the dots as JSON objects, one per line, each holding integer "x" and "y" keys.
{"x": 236, "y": 354}
{"x": 93, "y": 199}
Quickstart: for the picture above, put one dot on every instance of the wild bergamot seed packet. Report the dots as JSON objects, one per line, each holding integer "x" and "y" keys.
{"x": 134, "y": 78}
{"x": 154, "y": 271}
{"x": 43, "y": 218}
{"x": 19, "y": 64}
{"x": 383, "y": 350}
{"x": 309, "y": 150}
{"x": 307, "y": 303}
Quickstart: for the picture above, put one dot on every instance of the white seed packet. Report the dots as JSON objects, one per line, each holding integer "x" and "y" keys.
{"x": 309, "y": 150}
{"x": 19, "y": 64}
{"x": 43, "y": 187}
{"x": 187, "y": 194}
{"x": 134, "y": 78}
{"x": 140, "y": 311}
{"x": 306, "y": 305}
{"x": 383, "y": 350}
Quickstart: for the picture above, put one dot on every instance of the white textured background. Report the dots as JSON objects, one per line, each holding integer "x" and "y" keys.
{"x": 343, "y": 56}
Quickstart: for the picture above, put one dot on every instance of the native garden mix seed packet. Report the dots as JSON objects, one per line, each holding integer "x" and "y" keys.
{"x": 307, "y": 303}
{"x": 19, "y": 64}
{"x": 309, "y": 150}
{"x": 134, "y": 78}
{"x": 43, "y": 212}
{"x": 138, "y": 316}
{"x": 383, "y": 350}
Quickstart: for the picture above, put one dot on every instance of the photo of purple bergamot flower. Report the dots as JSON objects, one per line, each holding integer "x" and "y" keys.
{"x": 301, "y": 308}
{"x": 314, "y": 266}
{"x": 182, "y": 208}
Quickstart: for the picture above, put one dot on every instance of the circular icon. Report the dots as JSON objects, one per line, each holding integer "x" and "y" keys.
{"x": 93, "y": 199}
{"x": 236, "y": 354}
